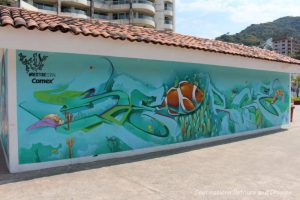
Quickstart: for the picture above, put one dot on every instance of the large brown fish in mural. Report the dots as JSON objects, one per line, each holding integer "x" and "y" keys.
{"x": 183, "y": 99}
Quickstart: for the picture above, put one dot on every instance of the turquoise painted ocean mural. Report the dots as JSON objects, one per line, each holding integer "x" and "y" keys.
{"x": 3, "y": 103}
{"x": 72, "y": 105}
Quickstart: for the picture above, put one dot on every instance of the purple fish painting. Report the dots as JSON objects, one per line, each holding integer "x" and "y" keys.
{"x": 48, "y": 121}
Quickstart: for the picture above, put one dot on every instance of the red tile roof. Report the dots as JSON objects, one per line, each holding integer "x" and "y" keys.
{"x": 17, "y": 18}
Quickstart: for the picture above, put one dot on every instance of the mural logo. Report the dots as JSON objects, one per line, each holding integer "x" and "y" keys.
{"x": 34, "y": 63}
{"x": 34, "y": 67}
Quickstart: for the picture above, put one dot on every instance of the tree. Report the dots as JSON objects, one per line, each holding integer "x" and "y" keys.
{"x": 4, "y": 2}
{"x": 297, "y": 55}
{"x": 296, "y": 82}
{"x": 8, "y": 2}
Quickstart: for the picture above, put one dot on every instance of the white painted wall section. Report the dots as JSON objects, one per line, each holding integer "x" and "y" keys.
{"x": 70, "y": 43}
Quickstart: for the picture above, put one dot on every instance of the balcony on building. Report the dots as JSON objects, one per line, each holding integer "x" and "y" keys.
{"x": 138, "y": 19}
{"x": 76, "y": 3}
{"x": 28, "y": 5}
{"x": 144, "y": 6}
{"x": 141, "y": 19}
{"x": 168, "y": 25}
{"x": 168, "y": 9}
{"x": 74, "y": 12}
{"x": 102, "y": 16}
{"x": 119, "y": 5}
{"x": 45, "y": 8}
{"x": 121, "y": 18}
{"x": 102, "y": 5}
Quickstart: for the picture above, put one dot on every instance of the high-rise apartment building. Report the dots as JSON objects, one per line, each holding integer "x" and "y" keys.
{"x": 159, "y": 14}
{"x": 286, "y": 45}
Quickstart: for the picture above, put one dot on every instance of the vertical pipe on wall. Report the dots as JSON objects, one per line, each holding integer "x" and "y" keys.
{"x": 290, "y": 96}
{"x": 92, "y": 9}
{"x": 130, "y": 12}
{"x": 58, "y": 6}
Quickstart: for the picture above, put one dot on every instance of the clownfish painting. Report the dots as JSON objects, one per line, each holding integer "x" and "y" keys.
{"x": 183, "y": 99}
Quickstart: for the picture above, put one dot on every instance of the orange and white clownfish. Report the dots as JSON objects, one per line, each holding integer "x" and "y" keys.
{"x": 183, "y": 99}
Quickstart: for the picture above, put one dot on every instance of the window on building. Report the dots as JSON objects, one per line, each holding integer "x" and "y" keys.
{"x": 117, "y": 16}
{"x": 168, "y": 6}
{"x": 101, "y": 15}
{"x": 168, "y": 20}
{"x": 120, "y": 2}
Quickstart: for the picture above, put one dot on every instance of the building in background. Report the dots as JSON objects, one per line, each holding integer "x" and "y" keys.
{"x": 286, "y": 45}
{"x": 158, "y": 14}
{"x": 9, "y": 2}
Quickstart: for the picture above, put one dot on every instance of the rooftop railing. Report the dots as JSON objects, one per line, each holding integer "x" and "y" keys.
{"x": 143, "y": 2}
{"x": 144, "y": 17}
{"x": 45, "y": 7}
{"x": 101, "y": 16}
{"x": 76, "y": 11}
{"x": 99, "y": 1}
{"x": 119, "y": 2}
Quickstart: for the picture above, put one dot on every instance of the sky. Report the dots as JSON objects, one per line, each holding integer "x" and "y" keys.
{"x": 212, "y": 18}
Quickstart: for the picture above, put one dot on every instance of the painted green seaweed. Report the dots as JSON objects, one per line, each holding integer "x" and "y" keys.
{"x": 38, "y": 153}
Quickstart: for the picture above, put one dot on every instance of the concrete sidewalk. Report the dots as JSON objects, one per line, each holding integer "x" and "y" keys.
{"x": 266, "y": 167}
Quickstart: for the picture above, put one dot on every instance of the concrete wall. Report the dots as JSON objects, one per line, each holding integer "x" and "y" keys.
{"x": 47, "y": 42}
{"x": 85, "y": 105}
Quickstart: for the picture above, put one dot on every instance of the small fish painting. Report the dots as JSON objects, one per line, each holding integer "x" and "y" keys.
{"x": 50, "y": 120}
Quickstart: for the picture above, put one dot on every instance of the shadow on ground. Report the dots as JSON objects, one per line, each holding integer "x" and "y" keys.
{"x": 6, "y": 177}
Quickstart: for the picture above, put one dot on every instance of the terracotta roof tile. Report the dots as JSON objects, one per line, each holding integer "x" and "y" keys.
{"x": 42, "y": 25}
{"x": 16, "y": 17}
{"x": 5, "y": 20}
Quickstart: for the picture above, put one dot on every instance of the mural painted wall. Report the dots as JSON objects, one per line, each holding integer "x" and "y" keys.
{"x": 72, "y": 105}
{"x": 3, "y": 103}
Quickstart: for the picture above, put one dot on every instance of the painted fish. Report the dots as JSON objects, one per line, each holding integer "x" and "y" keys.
{"x": 182, "y": 100}
{"x": 55, "y": 118}
{"x": 50, "y": 120}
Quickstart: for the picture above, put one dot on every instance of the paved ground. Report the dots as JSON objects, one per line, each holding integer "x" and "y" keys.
{"x": 266, "y": 167}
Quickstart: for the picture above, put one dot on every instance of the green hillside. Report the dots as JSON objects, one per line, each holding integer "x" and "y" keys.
{"x": 257, "y": 34}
